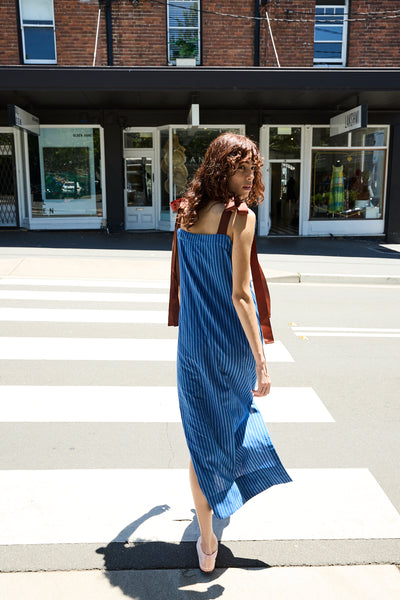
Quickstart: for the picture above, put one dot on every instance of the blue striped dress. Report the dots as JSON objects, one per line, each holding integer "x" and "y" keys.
{"x": 232, "y": 453}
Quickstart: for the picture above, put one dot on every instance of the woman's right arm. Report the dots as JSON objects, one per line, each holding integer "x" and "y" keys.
{"x": 242, "y": 233}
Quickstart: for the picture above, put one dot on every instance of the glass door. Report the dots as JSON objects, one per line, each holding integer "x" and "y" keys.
{"x": 284, "y": 194}
{"x": 139, "y": 208}
{"x": 282, "y": 147}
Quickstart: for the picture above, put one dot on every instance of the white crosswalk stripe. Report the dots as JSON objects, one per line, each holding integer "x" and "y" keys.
{"x": 87, "y": 283}
{"x": 140, "y": 404}
{"x": 82, "y": 296}
{"x": 368, "y": 332}
{"x": 130, "y": 349}
{"x": 76, "y": 315}
{"x": 95, "y": 505}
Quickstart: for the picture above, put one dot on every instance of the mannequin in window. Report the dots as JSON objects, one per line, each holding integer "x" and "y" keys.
{"x": 336, "y": 191}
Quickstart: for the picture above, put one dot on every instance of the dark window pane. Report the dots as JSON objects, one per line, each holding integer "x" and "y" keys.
{"x": 328, "y": 50}
{"x": 322, "y": 137}
{"x": 138, "y": 139}
{"x": 37, "y": 22}
{"x": 39, "y": 43}
{"x": 284, "y": 142}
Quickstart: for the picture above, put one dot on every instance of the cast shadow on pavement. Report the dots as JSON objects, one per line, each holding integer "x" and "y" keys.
{"x": 142, "y": 556}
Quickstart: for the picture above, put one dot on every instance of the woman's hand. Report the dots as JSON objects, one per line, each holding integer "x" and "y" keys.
{"x": 263, "y": 380}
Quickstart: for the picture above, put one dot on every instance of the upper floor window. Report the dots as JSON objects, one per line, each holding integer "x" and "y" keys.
{"x": 38, "y": 36}
{"x": 330, "y": 33}
{"x": 183, "y": 18}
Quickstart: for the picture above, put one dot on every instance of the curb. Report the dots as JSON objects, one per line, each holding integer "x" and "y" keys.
{"x": 350, "y": 278}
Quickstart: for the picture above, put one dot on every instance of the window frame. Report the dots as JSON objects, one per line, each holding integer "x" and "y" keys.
{"x": 37, "y": 61}
{"x": 323, "y": 62}
{"x": 171, "y": 60}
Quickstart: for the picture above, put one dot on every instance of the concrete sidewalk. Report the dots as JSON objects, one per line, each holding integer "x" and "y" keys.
{"x": 126, "y": 255}
{"x": 284, "y": 583}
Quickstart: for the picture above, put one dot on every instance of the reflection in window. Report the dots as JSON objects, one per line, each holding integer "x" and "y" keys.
{"x": 347, "y": 184}
{"x": 65, "y": 171}
{"x": 138, "y": 139}
{"x": 369, "y": 136}
{"x": 189, "y": 146}
{"x": 138, "y": 181}
{"x": 284, "y": 142}
{"x": 322, "y": 137}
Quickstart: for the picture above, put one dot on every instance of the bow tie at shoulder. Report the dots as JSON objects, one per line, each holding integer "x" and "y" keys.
{"x": 241, "y": 208}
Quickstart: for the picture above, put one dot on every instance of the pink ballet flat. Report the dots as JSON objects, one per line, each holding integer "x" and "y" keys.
{"x": 206, "y": 561}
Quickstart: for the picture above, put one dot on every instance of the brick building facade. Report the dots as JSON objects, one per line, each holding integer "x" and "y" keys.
{"x": 139, "y": 33}
{"x": 127, "y": 112}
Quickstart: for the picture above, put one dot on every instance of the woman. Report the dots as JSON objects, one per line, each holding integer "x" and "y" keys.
{"x": 221, "y": 364}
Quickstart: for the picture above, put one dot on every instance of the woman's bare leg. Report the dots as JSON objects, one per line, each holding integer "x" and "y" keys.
{"x": 209, "y": 542}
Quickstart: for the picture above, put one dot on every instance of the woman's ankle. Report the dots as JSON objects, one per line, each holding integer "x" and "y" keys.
{"x": 209, "y": 544}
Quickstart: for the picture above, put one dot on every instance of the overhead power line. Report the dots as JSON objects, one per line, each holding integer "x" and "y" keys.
{"x": 384, "y": 14}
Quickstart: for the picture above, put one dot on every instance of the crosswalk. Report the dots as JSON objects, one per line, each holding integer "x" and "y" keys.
{"x": 101, "y": 505}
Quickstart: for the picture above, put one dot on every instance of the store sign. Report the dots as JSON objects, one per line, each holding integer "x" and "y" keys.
{"x": 349, "y": 120}
{"x": 17, "y": 117}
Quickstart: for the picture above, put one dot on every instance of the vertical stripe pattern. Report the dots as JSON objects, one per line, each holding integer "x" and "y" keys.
{"x": 229, "y": 444}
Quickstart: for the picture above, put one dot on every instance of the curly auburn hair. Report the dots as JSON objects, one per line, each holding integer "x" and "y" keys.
{"x": 210, "y": 182}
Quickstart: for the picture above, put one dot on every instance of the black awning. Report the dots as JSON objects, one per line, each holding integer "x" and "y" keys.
{"x": 214, "y": 87}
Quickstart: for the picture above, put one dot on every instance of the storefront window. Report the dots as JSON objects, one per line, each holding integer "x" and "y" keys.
{"x": 322, "y": 138}
{"x": 347, "y": 184}
{"x": 65, "y": 169}
{"x": 189, "y": 146}
{"x": 369, "y": 136}
{"x": 284, "y": 142}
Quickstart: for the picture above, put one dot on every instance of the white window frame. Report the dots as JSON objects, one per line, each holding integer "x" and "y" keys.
{"x": 197, "y": 29}
{"x": 37, "y": 61}
{"x": 321, "y": 62}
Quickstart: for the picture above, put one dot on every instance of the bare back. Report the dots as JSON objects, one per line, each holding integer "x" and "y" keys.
{"x": 209, "y": 218}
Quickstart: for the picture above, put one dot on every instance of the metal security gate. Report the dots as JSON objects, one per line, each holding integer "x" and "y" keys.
{"x": 8, "y": 184}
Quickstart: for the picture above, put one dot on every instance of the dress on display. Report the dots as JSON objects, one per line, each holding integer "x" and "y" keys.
{"x": 336, "y": 192}
{"x": 232, "y": 453}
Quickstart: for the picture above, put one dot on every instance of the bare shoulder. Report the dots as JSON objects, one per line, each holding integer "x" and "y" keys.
{"x": 244, "y": 222}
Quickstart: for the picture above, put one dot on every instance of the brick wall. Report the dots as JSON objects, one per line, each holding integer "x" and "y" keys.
{"x": 374, "y": 41}
{"x": 76, "y": 24}
{"x": 9, "y": 48}
{"x": 140, "y": 33}
{"x": 292, "y": 25}
{"x": 228, "y": 41}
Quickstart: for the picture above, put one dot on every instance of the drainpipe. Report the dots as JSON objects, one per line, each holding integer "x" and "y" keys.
{"x": 110, "y": 58}
{"x": 256, "y": 33}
